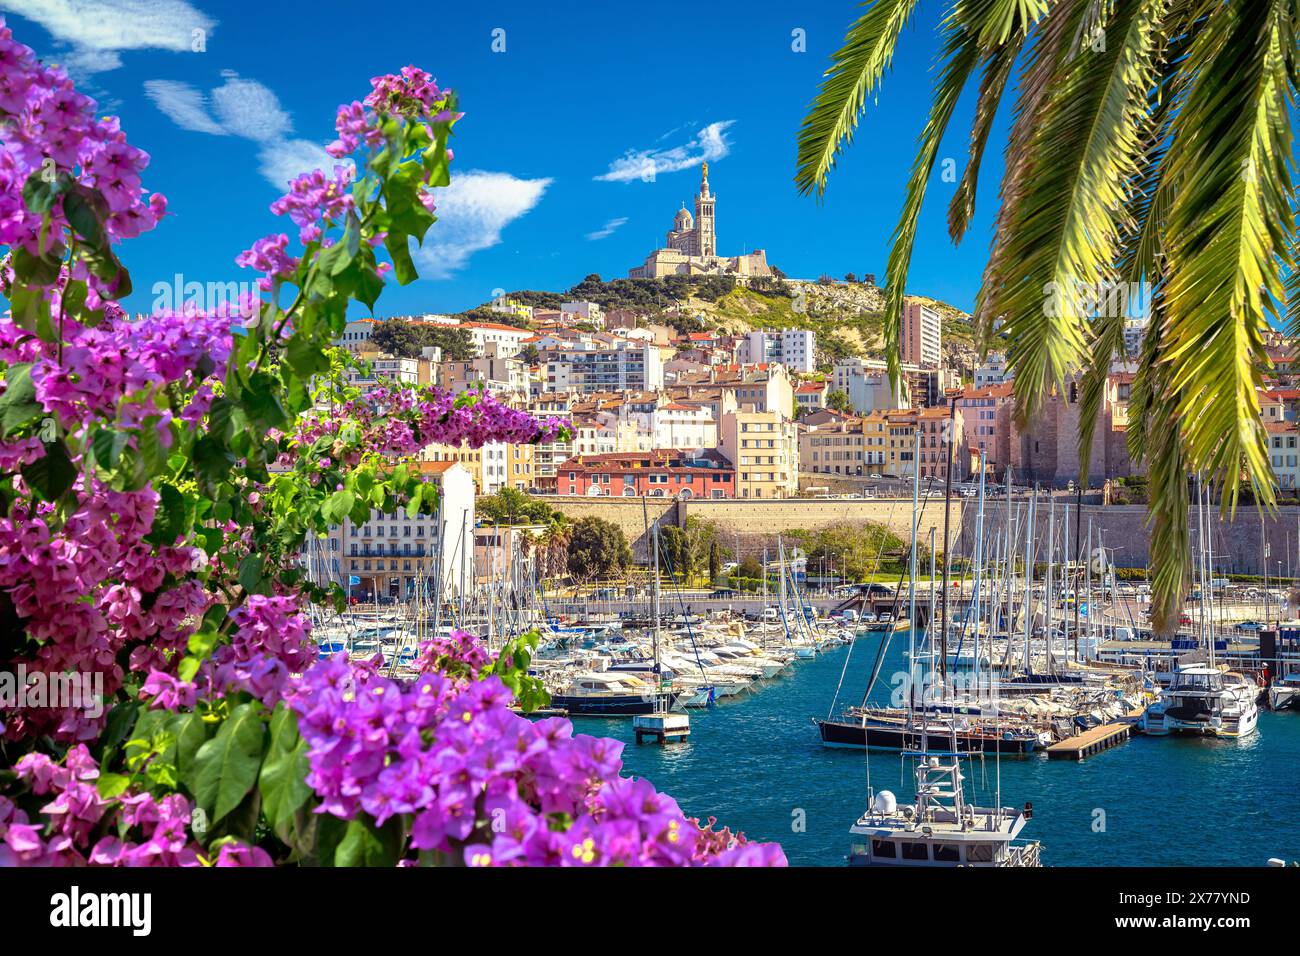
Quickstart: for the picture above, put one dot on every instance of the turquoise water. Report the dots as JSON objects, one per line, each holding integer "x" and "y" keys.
{"x": 757, "y": 764}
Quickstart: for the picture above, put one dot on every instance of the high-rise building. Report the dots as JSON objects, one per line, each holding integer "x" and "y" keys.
{"x": 921, "y": 340}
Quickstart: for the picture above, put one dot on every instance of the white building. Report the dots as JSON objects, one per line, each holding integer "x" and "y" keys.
{"x": 393, "y": 555}
{"x": 684, "y": 425}
{"x": 993, "y": 371}
{"x": 867, "y": 386}
{"x": 507, "y": 338}
{"x": 921, "y": 342}
{"x": 628, "y": 367}
{"x": 387, "y": 368}
{"x": 585, "y": 312}
{"x": 796, "y": 349}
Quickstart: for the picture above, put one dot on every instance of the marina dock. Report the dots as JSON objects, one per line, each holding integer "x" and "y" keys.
{"x": 662, "y": 728}
{"x": 1090, "y": 742}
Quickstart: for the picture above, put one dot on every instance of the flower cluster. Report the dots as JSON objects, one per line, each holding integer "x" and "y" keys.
{"x": 98, "y": 367}
{"x": 49, "y": 130}
{"x": 315, "y": 201}
{"x": 120, "y": 532}
{"x": 150, "y": 831}
{"x": 482, "y": 782}
{"x": 270, "y": 644}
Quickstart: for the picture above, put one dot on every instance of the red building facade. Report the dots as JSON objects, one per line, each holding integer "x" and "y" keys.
{"x": 663, "y": 473}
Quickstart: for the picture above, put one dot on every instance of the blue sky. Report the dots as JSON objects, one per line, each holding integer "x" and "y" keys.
{"x": 538, "y": 199}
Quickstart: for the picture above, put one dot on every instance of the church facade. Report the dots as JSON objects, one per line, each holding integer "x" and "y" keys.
{"x": 691, "y": 246}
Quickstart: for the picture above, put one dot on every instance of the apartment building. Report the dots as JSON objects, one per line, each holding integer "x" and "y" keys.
{"x": 796, "y": 349}
{"x": 764, "y": 448}
{"x": 921, "y": 338}
{"x": 625, "y": 367}
{"x": 662, "y": 473}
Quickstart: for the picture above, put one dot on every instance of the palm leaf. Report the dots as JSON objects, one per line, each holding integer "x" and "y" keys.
{"x": 856, "y": 71}
{"x": 1064, "y": 235}
{"x": 997, "y": 71}
{"x": 1226, "y": 238}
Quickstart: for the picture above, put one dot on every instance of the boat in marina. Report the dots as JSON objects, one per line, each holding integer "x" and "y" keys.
{"x": 886, "y": 729}
{"x": 612, "y": 695}
{"x": 940, "y": 828}
{"x": 1284, "y": 693}
{"x": 1207, "y": 700}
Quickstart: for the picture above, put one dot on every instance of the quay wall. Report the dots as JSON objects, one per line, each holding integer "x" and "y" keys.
{"x": 1238, "y": 545}
{"x": 749, "y": 525}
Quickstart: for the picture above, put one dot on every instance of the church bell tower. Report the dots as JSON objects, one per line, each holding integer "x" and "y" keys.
{"x": 708, "y": 240}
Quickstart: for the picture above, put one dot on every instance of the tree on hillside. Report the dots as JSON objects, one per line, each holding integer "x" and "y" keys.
{"x": 406, "y": 339}
{"x": 838, "y": 400}
{"x": 597, "y": 549}
{"x": 399, "y": 337}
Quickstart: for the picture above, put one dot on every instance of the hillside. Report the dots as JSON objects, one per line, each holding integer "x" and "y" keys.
{"x": 847, "y": 317}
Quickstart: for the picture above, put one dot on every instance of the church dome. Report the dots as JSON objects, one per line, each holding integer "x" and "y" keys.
{"x": 684, "y": 220}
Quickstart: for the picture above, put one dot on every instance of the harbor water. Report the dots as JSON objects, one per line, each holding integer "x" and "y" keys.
{"x": 758, "y": 765}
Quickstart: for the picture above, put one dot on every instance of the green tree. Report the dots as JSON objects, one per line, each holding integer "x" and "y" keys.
{"x": 715, "y": 560}
{"x": 1151, "y": 150}
{"x": 512, "y": 506}
{"x": 854, "y": 551}
{"x": 406, "y": 339}
{"x": 838, "y": 400}
{"x": 597, "y": 549}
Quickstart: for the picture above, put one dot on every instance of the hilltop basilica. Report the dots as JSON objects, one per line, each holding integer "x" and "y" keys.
{"x": 691, "y": 247}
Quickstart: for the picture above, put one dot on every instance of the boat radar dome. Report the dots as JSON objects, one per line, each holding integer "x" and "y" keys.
{"x": 885, "y": 803}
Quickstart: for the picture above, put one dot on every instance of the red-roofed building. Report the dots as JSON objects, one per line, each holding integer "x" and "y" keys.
{"x": 664, "y": 473}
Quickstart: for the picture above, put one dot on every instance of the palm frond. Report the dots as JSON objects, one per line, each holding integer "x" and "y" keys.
{"x": 1227, "y": 235}
{"x": 961, "y": 55}
{"x": 1049, "y": 47}
{"x": 856, "y": 71}
{"x": 997, "y": 72}
{"x": 1064, "y": 235}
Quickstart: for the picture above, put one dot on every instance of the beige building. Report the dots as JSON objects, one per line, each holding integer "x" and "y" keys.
{"x": 764, "y": 449}
{"x": 494, "y": 466}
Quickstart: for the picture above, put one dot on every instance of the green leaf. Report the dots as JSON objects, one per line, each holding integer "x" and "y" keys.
{"x": 53, "y": 473}
{"x": 79, "y": 208}
{"x": 284, "y": 773}
{"x": 18, "y": 405}
{"x": 225, "y": 768}
{"x": 250, "y": 572}
{"x": 112, "y": 785}
{"x": 364, "y": 844}
{"x": 338, "y": 506}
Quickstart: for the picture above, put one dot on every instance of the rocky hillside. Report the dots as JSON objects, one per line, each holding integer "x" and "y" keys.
{"x": 847, "y": 317}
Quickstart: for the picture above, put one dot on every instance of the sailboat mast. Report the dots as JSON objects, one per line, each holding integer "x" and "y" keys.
{"x": 911, "y": 622}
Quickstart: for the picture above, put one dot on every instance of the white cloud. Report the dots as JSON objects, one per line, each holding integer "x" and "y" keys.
{"x": 247, "y": 109}
{"x": 471, "y": 212}
{"x": 183, "y": 105}
{"x": 607, "y": 230}
{"x": 283, "y": 159}
{"x": 709, "y": 144}
{"x": 96, "y": 31}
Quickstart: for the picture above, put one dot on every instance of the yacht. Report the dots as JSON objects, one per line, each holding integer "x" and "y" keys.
{"x": 1205, "y": 699}
{"x": 611, "y": 695}
{"x": 1284, "y": 692}
{"x": 940, "y": 828}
